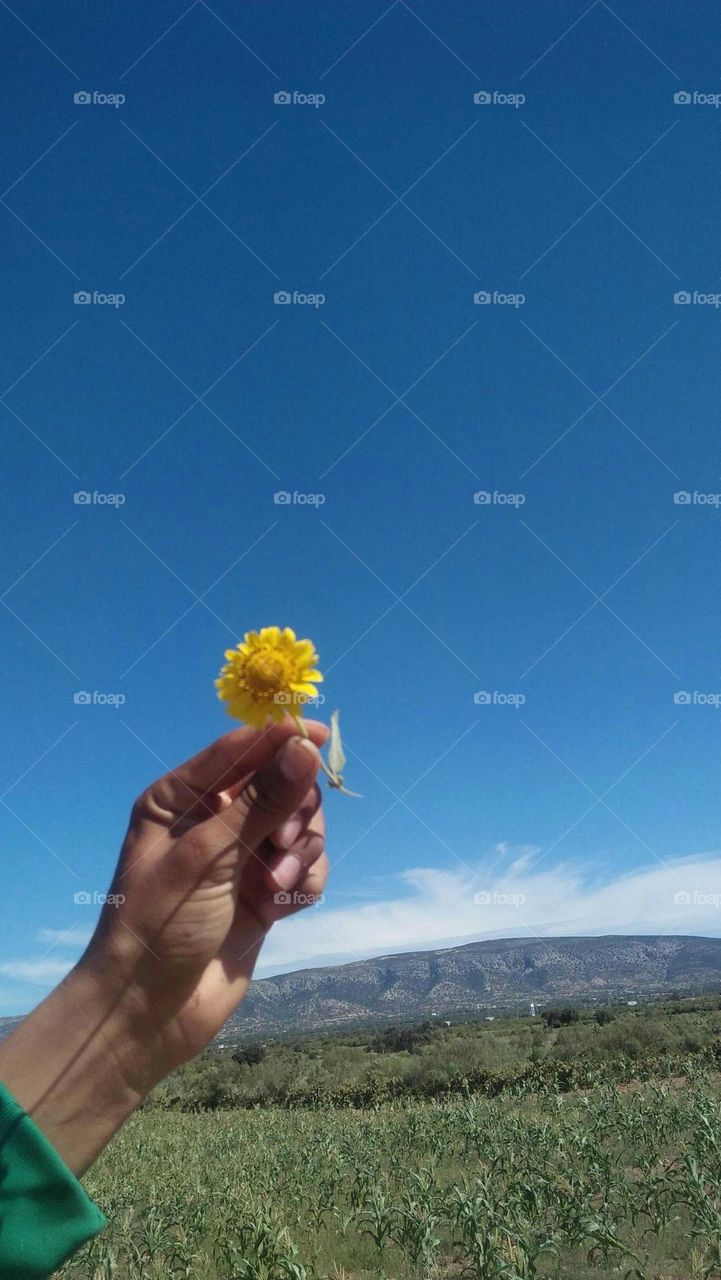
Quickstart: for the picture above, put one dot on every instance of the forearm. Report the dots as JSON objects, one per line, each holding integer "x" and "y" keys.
{"x": 165, "y": 971}
{"x": 78, "y": 1067}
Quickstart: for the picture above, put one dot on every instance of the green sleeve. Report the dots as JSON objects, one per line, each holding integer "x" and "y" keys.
{"x": 45, "y": 1215}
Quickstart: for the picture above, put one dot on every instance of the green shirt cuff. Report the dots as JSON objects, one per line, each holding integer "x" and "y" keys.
{"x": 45, "y": 1214}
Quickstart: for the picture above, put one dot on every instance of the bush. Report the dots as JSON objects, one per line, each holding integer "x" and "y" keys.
{"x": 250, "y": 1055}
{"x": 560, "y": 1017}
{"x": 401, "y": 1039}
{"x": 424, "y": 1061}
{"x": 603, "y": 1016}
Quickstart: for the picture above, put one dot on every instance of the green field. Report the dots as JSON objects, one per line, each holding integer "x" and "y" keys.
{"x": 564, "y": 1047}
{"x": 622, "y": 1180}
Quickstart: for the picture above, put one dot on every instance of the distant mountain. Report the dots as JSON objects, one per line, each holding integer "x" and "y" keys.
{"x": 471, "y": 980}
{"x": 7, "y": 1025}
{"x": 475, "y": 978}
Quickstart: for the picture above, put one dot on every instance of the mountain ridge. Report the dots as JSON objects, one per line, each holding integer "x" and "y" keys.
{"x": 475, "y": 977}
{"x": 470, "y": 980}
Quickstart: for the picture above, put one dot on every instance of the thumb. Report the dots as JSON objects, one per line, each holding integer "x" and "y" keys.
{"x": 274, "y": 793}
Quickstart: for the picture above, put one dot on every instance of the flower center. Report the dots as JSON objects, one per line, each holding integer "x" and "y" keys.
{"x": 265, "y": 675}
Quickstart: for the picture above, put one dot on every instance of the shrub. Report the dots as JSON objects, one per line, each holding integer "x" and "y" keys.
{"x": 249, "y": 1055}
{"x": 603, "y": 1016}
{"x": 560, "y": 1017}
{"x": 400, "y": 1039}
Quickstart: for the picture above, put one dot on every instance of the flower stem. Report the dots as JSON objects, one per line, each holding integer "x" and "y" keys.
{"x": 304, "y": 733}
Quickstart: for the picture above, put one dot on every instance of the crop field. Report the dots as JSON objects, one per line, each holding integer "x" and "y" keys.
{"x": 613, "y": 1182}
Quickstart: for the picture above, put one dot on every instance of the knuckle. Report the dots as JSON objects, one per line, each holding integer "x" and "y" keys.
{"x": 149, "y": 806}
{"x": 192, "y": 861}
{"x": 141, "y": 806}
{"x": 262, "y": 799}
{"x": 310, "y": 847}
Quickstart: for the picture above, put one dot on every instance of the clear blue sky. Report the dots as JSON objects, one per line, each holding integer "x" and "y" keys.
{"x": 396, "y": 399}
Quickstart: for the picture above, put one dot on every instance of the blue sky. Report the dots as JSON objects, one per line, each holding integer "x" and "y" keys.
{"x": 577, "y": 597}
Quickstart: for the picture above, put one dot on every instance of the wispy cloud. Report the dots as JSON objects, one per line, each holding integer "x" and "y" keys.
{"x": 506, "y": 898}
{"x": 75, "y": 936}
{"x": 43, "y": 973}
{"x": 514, "y": 892}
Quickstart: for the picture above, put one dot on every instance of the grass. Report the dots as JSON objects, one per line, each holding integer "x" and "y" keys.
{"x": 610, "y": 1183}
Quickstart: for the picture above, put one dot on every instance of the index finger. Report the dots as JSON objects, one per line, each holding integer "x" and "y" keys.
{"x": 223, "y": 764}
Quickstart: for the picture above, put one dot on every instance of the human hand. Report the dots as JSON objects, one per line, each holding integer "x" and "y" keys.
{"x": 209, "y": 849}
{"x": 216, "y": 852}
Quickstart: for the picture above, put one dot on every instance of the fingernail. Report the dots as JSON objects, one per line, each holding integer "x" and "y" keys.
{"x": 287, "y": 835}
{"x": 287, "y": 872}
{"x": 294, "y": 764}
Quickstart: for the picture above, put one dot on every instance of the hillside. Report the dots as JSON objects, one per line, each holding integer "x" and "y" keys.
{"x": 7, "y": 1025}
{"x": 476, "y": 978}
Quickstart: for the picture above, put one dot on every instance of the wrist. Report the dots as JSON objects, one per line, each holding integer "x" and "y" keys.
{"x": 76, "y": 1067}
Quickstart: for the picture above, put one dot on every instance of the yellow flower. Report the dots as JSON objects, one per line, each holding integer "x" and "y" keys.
{"x": 267, "y": 675}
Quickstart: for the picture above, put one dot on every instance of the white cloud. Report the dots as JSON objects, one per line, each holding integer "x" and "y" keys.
{"x": 521, "y": 895}
{"x": 433, "y": 908}
{"x": 75, "y": 936}
{"x": 46, "y": 971}
{"x": 43, "y": 973}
